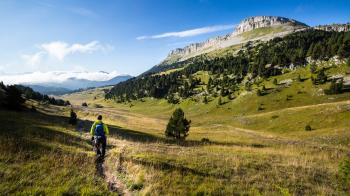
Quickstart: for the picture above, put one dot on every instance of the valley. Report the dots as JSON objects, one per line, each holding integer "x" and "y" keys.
{"x": 268, "y": 106}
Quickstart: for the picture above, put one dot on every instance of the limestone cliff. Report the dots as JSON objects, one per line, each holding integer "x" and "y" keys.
{"x": 334, "y": 27}
{"x": 280, "y": 26}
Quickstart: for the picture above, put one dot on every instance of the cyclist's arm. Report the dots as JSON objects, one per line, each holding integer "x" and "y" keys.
{"x": 105, "y": 127}
{"x": 93, "y": 127}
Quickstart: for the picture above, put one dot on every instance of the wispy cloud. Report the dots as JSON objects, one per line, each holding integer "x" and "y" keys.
{"x": 59, "y": 50}
{"x": 188, "y": 33}
{"x": 33, "y": 59}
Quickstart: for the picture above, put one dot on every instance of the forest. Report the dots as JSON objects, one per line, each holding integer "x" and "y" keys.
{"x": 258, "y": 59}
{"x": 13, "y": 96}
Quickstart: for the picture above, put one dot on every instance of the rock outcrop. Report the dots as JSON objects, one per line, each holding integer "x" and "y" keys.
{"x": 233, "y": 38}
{"x": 252, "y": 23}
{"x": 334, "y": 27}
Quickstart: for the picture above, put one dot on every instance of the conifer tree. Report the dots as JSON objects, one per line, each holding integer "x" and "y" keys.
{"x": 178, "y": 126}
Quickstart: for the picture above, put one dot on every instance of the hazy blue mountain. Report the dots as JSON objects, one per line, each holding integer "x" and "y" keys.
{"x": 71, "y": 84}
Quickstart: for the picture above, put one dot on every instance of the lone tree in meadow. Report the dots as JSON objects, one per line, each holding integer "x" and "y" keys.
{"x": 178, "y": 126}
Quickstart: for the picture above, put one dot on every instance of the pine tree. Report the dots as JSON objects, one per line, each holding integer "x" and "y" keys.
{"x": 313, "y": 68}
{"x": 14, "y": 97}
{"x": 321, "y": 77}
{"x": 178, "y": 126}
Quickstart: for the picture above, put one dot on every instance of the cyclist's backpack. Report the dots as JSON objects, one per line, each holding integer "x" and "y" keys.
{"x": 99, "y": 131}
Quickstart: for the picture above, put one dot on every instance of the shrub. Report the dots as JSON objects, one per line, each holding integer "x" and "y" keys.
{"x": 205, "y": 100}
{"x": 321, "y": 77}
{"x": 205, "y": 140}
{"x": 73, "y": 118}
{"x": 84, "y": 104}
{"x": 274, "y": 116}
{"x": 308, "y": 128}
{"x": 178, "y": 126}
{"x": 259, "y": 93}
{"x": 33, "y": 109}
{"x": 335, "y": 88}
{"x": 313, "y": 68}
{"x": 274, "y": 81}
{"x": 261, "y": 107}
{"x": 219, "y": 101}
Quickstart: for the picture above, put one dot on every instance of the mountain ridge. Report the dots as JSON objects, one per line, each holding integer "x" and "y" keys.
{"x": 274, "y": 26}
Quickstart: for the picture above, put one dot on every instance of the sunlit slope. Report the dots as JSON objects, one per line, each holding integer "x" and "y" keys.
{"x": 246, "y": 150}
{"x": 41, "y": 155}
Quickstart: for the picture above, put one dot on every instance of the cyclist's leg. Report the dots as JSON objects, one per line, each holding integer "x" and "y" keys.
{"x": 104, "y": 143}
{"x": 97, "y": 146}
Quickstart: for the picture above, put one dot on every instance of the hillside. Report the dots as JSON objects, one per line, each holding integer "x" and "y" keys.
{"x": 234, "y": 70}
{"x": 40, "y": 154}
{"x": 251, "y": 145}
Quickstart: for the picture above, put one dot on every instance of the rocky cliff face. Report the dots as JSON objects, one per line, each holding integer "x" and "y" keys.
{"x": 334, "y": 27}
{"x": 246, "y": 25}
{"x": 252, "y": 23}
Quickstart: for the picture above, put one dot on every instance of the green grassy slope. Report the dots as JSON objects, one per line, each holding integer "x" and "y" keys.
{"x": 251, "y": 151}
{"x": 40, "y": 154}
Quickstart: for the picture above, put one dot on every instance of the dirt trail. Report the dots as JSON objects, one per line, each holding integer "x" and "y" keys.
{"x": 115, "y": 184}
{"x": 105, "y": 171}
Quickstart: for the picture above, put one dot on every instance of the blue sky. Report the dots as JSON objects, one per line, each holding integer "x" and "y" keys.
{"x": 116, "y": 35}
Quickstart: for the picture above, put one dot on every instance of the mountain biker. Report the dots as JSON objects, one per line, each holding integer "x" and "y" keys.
{"x": 99, "y": 130}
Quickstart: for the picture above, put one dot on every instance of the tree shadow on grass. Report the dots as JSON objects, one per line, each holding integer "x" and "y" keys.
{"x": 138, "y": 136}
{"x": 42, "y": 130}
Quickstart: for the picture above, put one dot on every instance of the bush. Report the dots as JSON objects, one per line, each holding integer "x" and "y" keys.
{"x": 33, "y": 109}
{"x": 308, "y": 128}
{"x": 220, "y": 101}
{"x": 313, "y": 68}
{"x": 259, "y": 93}
{"x": 205, "y": 140}
{"x": 84, "y": 104}
{"x": 178, "y": 126}
{"x": 335, "y": 88}
{"x": 73, "y": 118}
{"x": 261, "y": 107}
{"x": 321, "y": 77}
{"x": 274, "y": 81}
{"x": 274, "y": 116}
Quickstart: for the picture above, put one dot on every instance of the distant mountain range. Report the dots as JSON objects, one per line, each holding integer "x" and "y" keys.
{"x": 72, "y": 84}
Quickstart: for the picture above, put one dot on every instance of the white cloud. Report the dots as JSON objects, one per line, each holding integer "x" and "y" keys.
{"x": 60, "y": 50}
{"x": 188, "y": 33}
{"x": 55, "y": 76}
